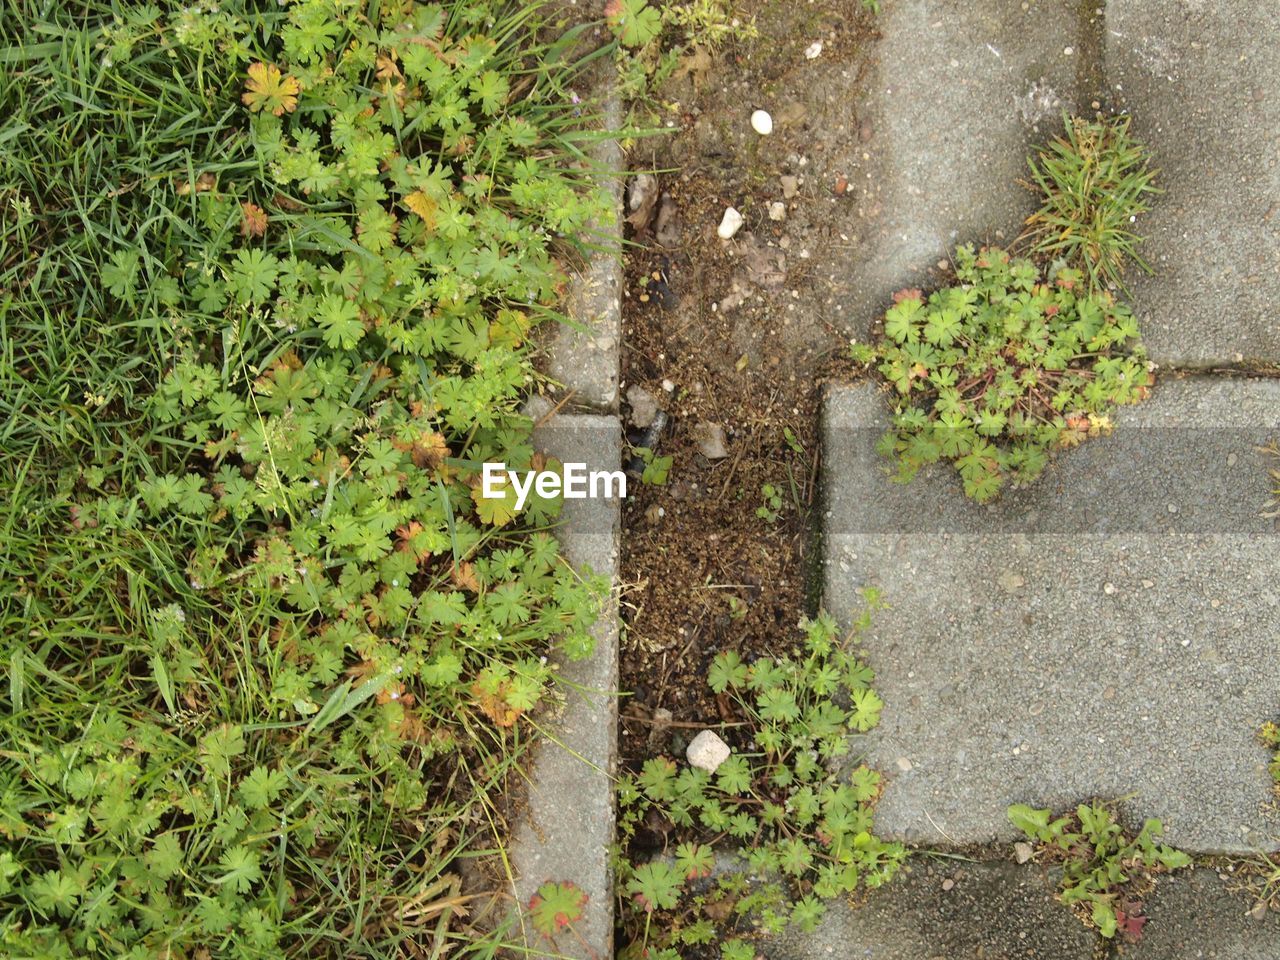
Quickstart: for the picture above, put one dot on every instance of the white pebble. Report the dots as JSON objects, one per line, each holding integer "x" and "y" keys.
{"x": 707, "y": 751}
{"x": 762, "y": 123}
{"x": 777, "y": 210}
{"x": 730, "y": 224}
{"x": 813, "y": 51}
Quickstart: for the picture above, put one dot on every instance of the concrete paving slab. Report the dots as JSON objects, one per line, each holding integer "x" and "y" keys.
{"x": 1194, "y": 916}
{"x": 997, "y": 911}
{"x": 1202, "y": 81}
{"x": 582, "y": 355}
{"x": 1108, "y": 631}
{"x": 568, "y": 826}
{"x": 961, "y": 94}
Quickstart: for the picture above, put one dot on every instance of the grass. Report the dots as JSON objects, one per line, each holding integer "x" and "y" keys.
{"x": 1096, "y": 181}
{"x": 268, "y": 659}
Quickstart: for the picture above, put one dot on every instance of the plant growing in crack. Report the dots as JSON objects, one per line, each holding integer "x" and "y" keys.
{"x": 1002, "y": 368}
{"x": 1096, "y": 181}
{"x": 1013, "y": 362}
{"x": 799, "y": 818}
{"x": 556, "y": 907}
{"x": 1270, "y": 737}
{"x": 1105, "y": 873}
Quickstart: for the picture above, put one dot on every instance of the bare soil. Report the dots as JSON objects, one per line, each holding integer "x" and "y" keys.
{"x": 729, "y": 328}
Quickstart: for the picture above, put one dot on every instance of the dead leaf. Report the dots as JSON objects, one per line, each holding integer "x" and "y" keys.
{"x": 696, "y": 66}
{"x": 253, "y": 220}
{"x": 429, "y": 450}
{"x": 494, "y": 705}
{"x": 666, "y": 229}
{"x": 421, "y": 204}
{"x": 766, "y": 266}
{"x": 1130, "y": 921}
{"x": 464, "y": 577}
{"x": 204, "y": 183}
{"x": 386, "y": 67}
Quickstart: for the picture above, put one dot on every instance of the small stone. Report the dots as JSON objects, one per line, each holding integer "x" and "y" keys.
{"x": 668, "y": 386}
{"x": 707, "y": 751}
{"x": 1148, "y": 584}
{"x": 903, "y": 764}
{"x": 865, "y": 131}
{"x": 1108, "y": 588}
{"x": 643, "y": 406}
{"x": 813, "y": 51}
{"x": 1011, "y": 581}
{"x": 1259, "y": 910}
{"x": 777, "y": 211}
{"x": 762, "y": 123}
{"x": 790, "y": 187}
{"x": 710, "y": 440}
{"x": 730, "y": 224}
{"x": 1067, "y": 51}
{"x": 842, "y": 184}
{"x": 1022, "y": 851}
{"x": 947, "y": 884}
{"x": 643, "y": 188}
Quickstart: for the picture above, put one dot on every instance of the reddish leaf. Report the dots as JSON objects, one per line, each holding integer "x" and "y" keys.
{"x": 1130, "y": 921}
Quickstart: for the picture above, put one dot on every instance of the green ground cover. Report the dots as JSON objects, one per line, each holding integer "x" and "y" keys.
{"x": 267, "y": 280}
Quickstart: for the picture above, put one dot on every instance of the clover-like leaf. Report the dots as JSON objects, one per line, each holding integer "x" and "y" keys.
{"x": 555, "y": 906}
{"x": 268, "y": 89}
{"x": 694, "y": 860}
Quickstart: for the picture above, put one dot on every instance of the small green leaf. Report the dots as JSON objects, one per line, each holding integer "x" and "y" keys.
{"x": 161, "y": 674}
{"x": 556, "y": 906}
{"x": 727, "y": 671}
{"x": 1034, "y": 823}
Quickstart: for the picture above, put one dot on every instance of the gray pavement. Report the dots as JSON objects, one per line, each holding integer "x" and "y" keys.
{"x": 568, "y": 822}
{"x": 960, "y": 96}
{"x": 1202, "y": 81}
{"x": 1129, "y": 652}
{"x": 582, "y": 355}
{"x": 996, "y": 911}
{"x": 1193, "y": 915}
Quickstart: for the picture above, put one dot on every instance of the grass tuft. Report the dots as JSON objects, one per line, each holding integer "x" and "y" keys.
{"x": 1095, "y": 181}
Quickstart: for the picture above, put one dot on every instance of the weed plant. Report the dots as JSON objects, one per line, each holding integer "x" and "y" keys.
{"x": 1096, "y": 181}
{"x": 793, "y": 817}
{"x": 999, "y": 370}
{"x": 268, "y": 277}
{"x": 1105, "y": 872}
